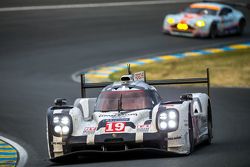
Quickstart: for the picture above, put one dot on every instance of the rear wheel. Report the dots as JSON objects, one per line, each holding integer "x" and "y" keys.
{"x": 191, "y": 134}
{"x": 209, "y": 126}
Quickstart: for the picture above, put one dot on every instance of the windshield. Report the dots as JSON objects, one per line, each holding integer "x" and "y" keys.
{"x": 201, "y": 11}
{"x": 124, "y": 101}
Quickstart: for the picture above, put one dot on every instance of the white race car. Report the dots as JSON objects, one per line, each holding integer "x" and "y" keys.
{"x": 129, "y": 115}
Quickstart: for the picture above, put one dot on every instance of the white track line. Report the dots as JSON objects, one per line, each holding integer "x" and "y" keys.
{"x": 23, "y": 156}
{"x": 92, "y": 5}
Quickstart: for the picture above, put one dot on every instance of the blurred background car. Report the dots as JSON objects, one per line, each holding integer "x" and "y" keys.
{"x": 205, "y": 19}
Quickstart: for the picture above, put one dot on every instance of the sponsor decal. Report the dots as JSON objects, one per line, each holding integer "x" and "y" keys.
{"x": 58, "y": 143}
{"x": 174, "y": 138}
{"x": 169, "y": 105}
{"x": 143, "y": 128}
{"x": 115, "y": 126}
{"x": 118, "y": 120}
{"x": 89, "y": 130}
{"x": 139, "y": 76}
{"x": 117, "y": 115}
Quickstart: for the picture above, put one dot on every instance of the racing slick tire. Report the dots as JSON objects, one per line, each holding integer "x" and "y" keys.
{"x": 241, "y": 26}
{"x": 213, "y": 32}
{"x": 209, "y": 126}
{"x": 191, "y": 133}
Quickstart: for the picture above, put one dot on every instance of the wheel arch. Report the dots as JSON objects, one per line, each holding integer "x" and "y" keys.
{"x": 243, "y": 19}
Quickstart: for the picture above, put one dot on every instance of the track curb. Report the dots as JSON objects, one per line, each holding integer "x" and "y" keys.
{"x": 102, "y": 73}
{"x": 8, "y": 154}
{"x": 12, "y": 153}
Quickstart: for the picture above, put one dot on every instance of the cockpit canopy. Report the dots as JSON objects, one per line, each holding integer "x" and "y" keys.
{"x": 202, "y": 9}
{"x": 128, "y": 100}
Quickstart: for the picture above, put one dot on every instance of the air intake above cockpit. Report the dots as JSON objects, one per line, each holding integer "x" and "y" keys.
{"x": 127, "y": 78}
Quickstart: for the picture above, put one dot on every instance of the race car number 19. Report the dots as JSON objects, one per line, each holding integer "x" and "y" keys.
{"x": 115, "y": 126}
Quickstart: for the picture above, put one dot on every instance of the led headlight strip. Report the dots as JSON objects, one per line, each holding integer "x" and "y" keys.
{"x": 61, "y": 124}
{"x": 168, "y": 120}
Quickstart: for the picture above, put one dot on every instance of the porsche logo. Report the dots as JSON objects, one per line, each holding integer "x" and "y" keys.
{"x": 114, "y": 135}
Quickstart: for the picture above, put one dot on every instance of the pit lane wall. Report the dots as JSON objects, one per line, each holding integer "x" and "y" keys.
{"x": 102, "y": 73}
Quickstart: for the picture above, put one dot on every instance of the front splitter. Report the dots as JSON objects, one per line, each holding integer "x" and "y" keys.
{"x": 152, "y": 152}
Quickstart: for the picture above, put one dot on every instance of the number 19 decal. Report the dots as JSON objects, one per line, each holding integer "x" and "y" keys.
{"x": 115, "y": 126}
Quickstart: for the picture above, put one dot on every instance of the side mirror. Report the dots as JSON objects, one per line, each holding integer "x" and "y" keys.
{"x": 186, "y": 97}
{"x": 60, "y": 102}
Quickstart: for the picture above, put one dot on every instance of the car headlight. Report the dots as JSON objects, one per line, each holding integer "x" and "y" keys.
{"x": 65, "y": 120}
{"x": 163, "y": 125}
{"x": 168, "y": 120}
{"x": 172, "y": 124}
{"x": 61, "y": 130}
{"x": 58, "y": 129}
{"x": 170, "y": 20}
{"x": 200, "y": 23}
{"x": 163, "y": 116}
{"x": 65, "y": 130}
{"x": 62, "y": 124}
{"x": 56, "y": 120}
{"x": 163, "y": 121}
{"x": 172, "y": 114}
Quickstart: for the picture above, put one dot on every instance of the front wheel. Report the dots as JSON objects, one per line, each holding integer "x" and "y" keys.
{"x": 241, "y": 26}
{"x": 209, "y": 126}
{"x": 213, "y": 31}
{"x": 165, "y": 32}
{"x": 209, "y": 140}
{"x": 191, "y": 133}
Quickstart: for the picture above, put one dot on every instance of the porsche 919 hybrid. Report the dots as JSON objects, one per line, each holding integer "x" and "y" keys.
{"x": 129, "y": 115}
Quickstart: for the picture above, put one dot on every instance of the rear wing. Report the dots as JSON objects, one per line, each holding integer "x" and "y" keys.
{"x": 205, "y": 80}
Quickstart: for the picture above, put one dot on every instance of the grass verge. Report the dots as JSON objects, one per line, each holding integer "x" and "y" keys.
{"x": 228, "y": 69}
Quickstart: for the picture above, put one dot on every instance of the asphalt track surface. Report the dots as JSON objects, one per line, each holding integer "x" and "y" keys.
{"x": 39, "y": 50}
